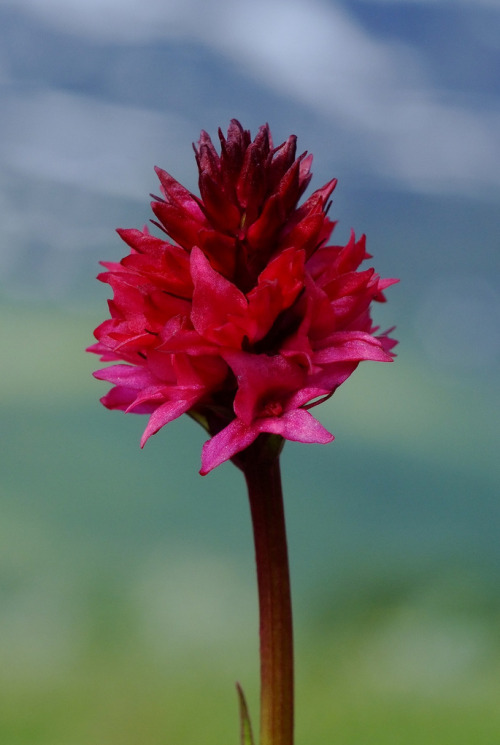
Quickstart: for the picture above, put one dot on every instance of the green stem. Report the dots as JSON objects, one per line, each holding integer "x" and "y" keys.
{"x": 276, "y": 637}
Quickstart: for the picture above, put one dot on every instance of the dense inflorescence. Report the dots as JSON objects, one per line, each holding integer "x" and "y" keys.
{"x": 246, "y": 317}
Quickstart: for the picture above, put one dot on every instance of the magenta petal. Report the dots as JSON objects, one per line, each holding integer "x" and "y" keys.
{"x": 120, "y": 397}
{"x": 165, "y": 413}
{"x": 217, "y": 303}
{"x": 278, "y": 286}
{"x": 297, "y": 425}
{"x": 149, "y": 396}
{"x": 383, "y": 284}
{"x": 305, "y": 395}
{"x": 333, "y": 375}
{"x": 133, "y": 377}
{"x": 344, "y": 346}
{"x": 231, "y": 440}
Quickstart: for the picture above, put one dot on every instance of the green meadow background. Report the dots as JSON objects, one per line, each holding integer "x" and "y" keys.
{"x": 128, "y": 605}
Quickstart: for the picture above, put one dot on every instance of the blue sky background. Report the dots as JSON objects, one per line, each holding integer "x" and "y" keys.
{"x": 400, "y": 100}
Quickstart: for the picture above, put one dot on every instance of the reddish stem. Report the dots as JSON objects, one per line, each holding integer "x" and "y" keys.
{"x": 276, "y": 637}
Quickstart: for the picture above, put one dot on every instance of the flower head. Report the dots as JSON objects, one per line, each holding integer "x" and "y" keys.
{"x": 246, "y": 316}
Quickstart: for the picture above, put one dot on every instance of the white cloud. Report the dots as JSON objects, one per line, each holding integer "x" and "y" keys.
{"x": 475, "y": 3}
{"x": 88, "y": 143}
{"x": 377, "y": 94}
{"x": 120, "y": 20}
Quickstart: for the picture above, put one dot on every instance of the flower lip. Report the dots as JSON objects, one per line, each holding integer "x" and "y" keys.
{"x": 272, "y": 408}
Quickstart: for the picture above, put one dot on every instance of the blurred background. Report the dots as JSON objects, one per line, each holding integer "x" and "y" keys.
{"x": 128, "y": 606}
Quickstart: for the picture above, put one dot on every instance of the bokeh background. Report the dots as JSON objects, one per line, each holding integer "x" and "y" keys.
{"x": 127, "y": 591}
